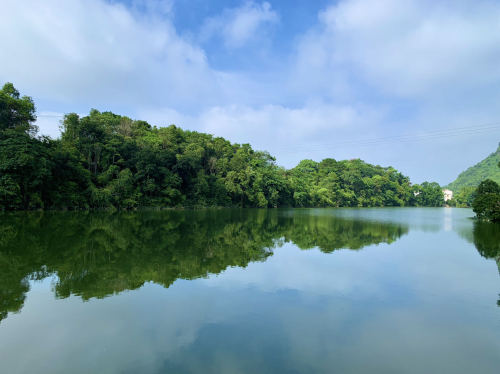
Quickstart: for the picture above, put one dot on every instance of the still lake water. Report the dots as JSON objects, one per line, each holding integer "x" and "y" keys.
{"x": 401, "y": 290}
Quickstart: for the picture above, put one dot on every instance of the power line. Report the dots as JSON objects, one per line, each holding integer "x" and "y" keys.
{"x": 50, "y": 115}
{"x": 431, "y": 135}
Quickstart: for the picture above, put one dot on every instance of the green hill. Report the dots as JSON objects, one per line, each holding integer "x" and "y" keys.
{"x": 488, "y": 168}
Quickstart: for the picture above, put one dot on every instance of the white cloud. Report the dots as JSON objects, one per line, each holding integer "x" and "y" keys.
{"x": 406, "y": 47}
{"x": 365, "y": 70}
{"x": 277, "y": 125}
{"x": 288, "y": 133}
{"x": 239, "y": 25}
{"x": 93, "y": 51}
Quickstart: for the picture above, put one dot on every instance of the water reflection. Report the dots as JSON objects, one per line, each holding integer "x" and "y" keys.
{"x": 487, "y": 241}
{"x": 94, "y": 255}
{"x": 428, "y": 295}
{"x": 486, "y": 238}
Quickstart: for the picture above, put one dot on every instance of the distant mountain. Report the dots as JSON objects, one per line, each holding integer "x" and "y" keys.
{"x": 488, "y": 168}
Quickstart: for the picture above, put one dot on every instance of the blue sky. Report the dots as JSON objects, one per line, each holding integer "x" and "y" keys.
{"x": 408, "y": 83}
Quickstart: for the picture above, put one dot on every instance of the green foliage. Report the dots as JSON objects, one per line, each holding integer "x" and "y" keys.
{"x": 463, "y": 198}
{"x": 486, "y": 169}
{"x": 107, "y": 161}
{"x": 16, "y": 112}
{"x": 25, "y": 169}
{"x": 347, "y": 183}
{"x": 427, "y": 194}
{"x": 486, "y": 202}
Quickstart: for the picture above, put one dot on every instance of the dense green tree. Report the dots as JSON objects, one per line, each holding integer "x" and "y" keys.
{"x": 25, "y": 167}
{"x": 16, "y": 112}
{"x": 347, "y": 183}
{"x": 24, "y": 161}
{"x": 486, "y": 202}
{"x": 427, "y": 194}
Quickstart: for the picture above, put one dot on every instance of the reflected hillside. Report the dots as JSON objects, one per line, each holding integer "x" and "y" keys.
{"x": 100, "y": 254}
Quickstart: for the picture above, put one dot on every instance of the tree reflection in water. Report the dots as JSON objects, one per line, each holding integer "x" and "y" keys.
{"x": 94, "y": 255}
{"x": 487, "y": 241}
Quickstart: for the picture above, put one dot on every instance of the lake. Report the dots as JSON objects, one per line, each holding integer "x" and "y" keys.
{"x": 381, "y": 290}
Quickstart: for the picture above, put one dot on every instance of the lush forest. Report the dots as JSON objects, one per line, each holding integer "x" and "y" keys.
{"x": 105, "y": 160}
{"x": 485, "y": 169}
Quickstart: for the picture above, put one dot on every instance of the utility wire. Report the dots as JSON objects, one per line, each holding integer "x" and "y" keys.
{"x": 431, "y": 135}
{"x": 51, "y": 115}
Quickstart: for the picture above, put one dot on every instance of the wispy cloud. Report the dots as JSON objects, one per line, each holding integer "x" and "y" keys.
{"x": 93, "y": 51}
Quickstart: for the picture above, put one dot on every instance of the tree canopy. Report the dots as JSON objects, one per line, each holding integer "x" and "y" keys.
{"x": 486, "y": 202}
{"x": 104, "y": 160}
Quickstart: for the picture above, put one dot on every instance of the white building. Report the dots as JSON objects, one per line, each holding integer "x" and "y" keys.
{"x": 448, "y": 194}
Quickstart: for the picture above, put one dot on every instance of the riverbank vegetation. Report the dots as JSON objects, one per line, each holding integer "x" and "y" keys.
{"x": 486, "y": 203}
{"x": 105, "y": 160}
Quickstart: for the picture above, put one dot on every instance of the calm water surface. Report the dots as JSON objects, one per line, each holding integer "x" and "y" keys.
{"x": 250, "y": 291}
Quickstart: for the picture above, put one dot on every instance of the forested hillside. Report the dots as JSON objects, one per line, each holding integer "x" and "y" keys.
{"x": 106, "y": 160}
{"x": 485, "y": 169}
